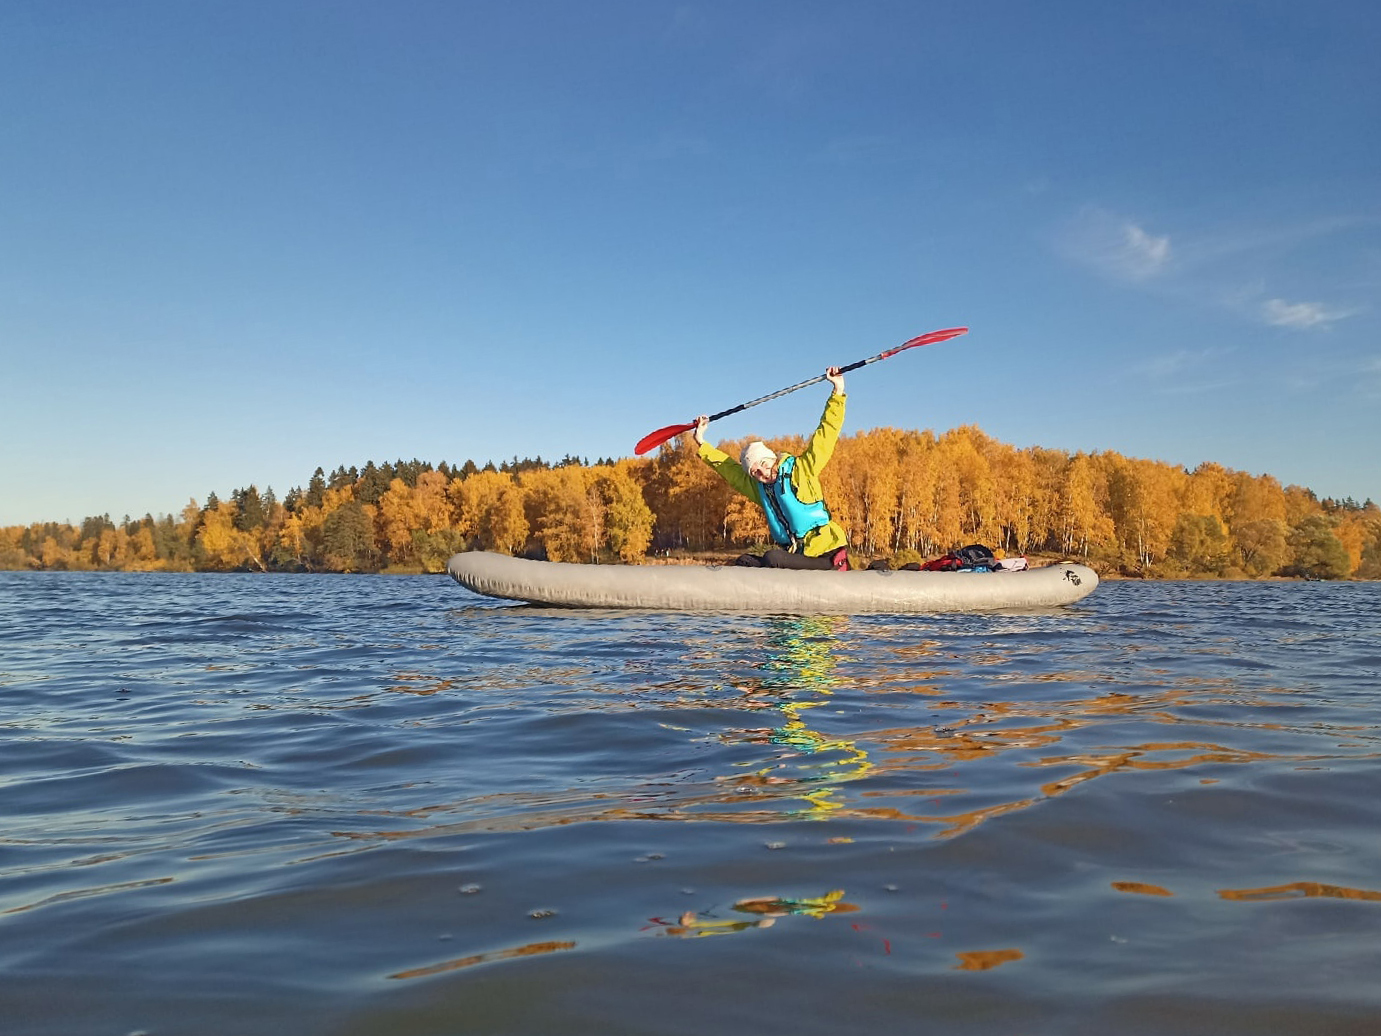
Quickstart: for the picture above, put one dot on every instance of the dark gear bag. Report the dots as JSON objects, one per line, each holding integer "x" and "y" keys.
{"x": 975, "y": 556}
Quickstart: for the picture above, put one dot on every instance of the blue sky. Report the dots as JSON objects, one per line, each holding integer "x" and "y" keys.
{"x": 241, "y": 240}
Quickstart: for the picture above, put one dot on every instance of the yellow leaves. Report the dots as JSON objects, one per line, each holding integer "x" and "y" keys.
{"x": 1210, "y": 491}
{"x": 564, "y": 518}
{"x": 688, "y": 499}
{"x": 489, "y": 507}
{"x": 947, "y": 516}
{"x": 581, "y": 514}
{"x": 11, "y": 548}
{"x": 292, "y": 536}
{"x": 54, "y": 555}
{"x": 903, "y": 490}
{"x": 217, "y": 536}
{"x": 743, "y": 520}
{"x": 112, "y": 548}
{"x": 1256, "y": 499}
{"x": 431, "y": 505}
{"x": 1354, "y": 531}
{"x": 1144, "y": 501}
{"x": 627, "y": 518}
{"x": 1084, "y": 521}
{"x": 963, "y": 450}
{"x": 901, "y": 493}
{"x": 916, "y": 484}
{"x": 143, "y": 551}
{"x": 334, "y": 499}
{"x": 225, "y": 546}
{"x": 1299, "y": 504}
{"x": 863, "y": 493}
{"x": 397, "y": 516}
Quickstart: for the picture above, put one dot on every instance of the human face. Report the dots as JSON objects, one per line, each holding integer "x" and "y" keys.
{"x": 764, "y": 470}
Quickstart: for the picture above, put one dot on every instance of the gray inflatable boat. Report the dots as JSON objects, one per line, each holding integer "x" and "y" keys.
{"x": 725, "y": 588}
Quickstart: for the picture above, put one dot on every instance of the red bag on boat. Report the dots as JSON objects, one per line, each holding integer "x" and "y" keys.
{"x": 948, "y": 563}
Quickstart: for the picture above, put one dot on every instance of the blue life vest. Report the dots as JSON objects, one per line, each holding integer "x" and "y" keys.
{"x": 789, "y": 518}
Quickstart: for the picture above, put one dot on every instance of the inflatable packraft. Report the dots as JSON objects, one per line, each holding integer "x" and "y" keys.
{"x": 728, "y": 588}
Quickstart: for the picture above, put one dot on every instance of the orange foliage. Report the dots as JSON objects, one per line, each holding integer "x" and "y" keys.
{"x": 895, "y": 491}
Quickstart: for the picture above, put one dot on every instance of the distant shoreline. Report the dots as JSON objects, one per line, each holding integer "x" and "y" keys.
{"x": 717, "y": 559}
{"x": 905, "y": 496}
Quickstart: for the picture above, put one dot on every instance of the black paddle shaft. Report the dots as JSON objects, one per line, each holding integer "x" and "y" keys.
{"x": 793, "y": 388}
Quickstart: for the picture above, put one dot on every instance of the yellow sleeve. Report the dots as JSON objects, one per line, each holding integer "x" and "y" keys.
{"x": 805, "y": 479}
{"x": 729, "y": 470}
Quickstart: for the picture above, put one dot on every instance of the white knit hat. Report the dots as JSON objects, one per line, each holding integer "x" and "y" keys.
{"x": 755, "y": 453}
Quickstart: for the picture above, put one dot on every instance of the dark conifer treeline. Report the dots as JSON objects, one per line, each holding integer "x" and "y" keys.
{"x": 901, "y": 494}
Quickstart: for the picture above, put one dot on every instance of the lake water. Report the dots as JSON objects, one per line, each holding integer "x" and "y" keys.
{"x": 354, "y": 805}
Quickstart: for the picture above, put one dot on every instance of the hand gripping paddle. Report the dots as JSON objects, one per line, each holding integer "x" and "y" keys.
{"x": 661, "y": 435}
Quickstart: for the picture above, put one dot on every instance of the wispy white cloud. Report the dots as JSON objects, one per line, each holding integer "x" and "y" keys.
{"x": 1302, "y": 315}
{"x": 1184, "y": 371}
{"x": 1269, "y": 242}
{"x": 1116, "y": 246}
{"x": 1143, "y": 254}
{"x": 1168, "y": 365}
{"x": 1340, "y": 376}
{"x": 1227, "y": 269}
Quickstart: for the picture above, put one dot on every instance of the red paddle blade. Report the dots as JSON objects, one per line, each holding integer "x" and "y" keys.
{"x": 928, "y": 339}
{"x": 654, "y": 439}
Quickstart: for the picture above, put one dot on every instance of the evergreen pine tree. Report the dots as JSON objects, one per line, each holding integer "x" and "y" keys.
{"x": 249, "y": 509}
{"x": 373, "y": 484}
{"x": 348, "y": 540}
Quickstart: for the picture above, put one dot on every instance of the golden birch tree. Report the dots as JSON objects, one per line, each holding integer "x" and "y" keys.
{"x": 489, "y": 508}
{"x": 627, "y": 520}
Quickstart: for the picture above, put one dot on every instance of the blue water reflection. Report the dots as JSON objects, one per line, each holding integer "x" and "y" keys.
{"x": 367, "y": 805}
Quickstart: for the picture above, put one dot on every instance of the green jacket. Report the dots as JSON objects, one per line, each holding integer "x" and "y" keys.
{"x": 805, "y": 476}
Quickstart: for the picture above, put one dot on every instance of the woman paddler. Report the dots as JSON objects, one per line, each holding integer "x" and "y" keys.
{"x": 788, "y": 490}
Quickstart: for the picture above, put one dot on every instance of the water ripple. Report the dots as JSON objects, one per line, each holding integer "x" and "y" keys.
{"x": 366, "y": 805}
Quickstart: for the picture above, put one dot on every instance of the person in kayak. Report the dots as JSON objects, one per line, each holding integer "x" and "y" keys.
{"x": 788, "y": 490}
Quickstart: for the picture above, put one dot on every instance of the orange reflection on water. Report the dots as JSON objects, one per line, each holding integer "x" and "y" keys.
{"x": 420, "y": 683}
{"x": 1132, "y": 758}
{"x": 532, "y": 949}
{"x": 99, "y": 890}
{"x": 958, "y": 823}
{"x": 986, "y": 960}
{"x": 1300, "y": 890}
{"x": 766, "y": 909}
{"x": 1141, "y": 889}
{"x": 803, "y": 762}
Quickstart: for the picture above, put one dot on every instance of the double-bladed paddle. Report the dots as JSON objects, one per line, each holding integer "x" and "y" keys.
{"x": 661, "y": 435}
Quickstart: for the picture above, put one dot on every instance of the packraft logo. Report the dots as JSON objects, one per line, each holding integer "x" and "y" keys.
{"x": 1069, "y": 574}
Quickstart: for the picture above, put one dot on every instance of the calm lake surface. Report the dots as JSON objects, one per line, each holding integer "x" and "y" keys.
{"x": 371, "y": 806}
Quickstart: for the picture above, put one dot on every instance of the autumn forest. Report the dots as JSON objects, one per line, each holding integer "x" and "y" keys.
{"x": 903, "y": 495}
